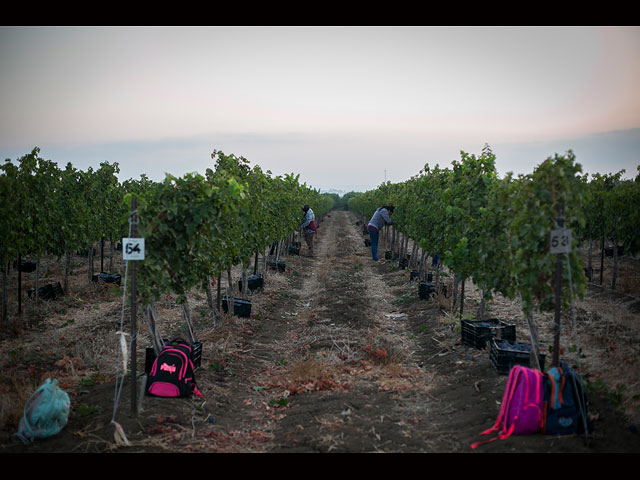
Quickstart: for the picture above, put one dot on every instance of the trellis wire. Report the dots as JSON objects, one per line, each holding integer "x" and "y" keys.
{"x": 119, "y": 384}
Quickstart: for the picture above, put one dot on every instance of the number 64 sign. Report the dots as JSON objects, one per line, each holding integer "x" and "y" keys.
{"x": 133, "y": 248}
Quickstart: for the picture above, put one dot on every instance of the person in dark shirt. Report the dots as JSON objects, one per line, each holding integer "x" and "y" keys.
{"x": 380, "y": 218}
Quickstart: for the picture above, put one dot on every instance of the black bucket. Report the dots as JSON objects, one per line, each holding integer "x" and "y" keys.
{"x": 107, "y": 277}
{"x": 255, "y": 282}
{"x": 241, "y": 308}
{"x": 48, "y": 292}
{"x": 26, "y": 266}
{"x": 277, "y": 265}
{"x": 426, "y": 289}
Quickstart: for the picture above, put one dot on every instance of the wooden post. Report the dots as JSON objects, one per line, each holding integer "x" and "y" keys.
{"x": 462, "y": 300}
{"x": 218, "y": 293}
{"x": 558, "y": 300}
{"x": 601, "y": 259}
{"x": 134, "y": 271}
{"x": 19, "y": 285}
{"x": 534, "y": 358}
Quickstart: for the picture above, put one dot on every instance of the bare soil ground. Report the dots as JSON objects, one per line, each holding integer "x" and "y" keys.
{"x": 339, "y": 355}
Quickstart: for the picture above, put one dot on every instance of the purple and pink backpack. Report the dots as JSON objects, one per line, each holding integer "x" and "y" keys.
{"x": 172, "y": 373}
{"x": 521, "y": 412}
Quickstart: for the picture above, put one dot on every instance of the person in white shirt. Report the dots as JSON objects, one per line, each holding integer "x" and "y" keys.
{"x": 309, "y": 227}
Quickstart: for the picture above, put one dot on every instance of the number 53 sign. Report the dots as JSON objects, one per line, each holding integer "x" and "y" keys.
{"x": 560, "y": 241}
{"x": 133, "y": 248}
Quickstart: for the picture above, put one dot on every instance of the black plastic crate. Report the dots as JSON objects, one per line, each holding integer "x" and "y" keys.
{"x": 108, "y": 277}
{"x": 505, "y": 354}
{"x": 416, "y": 274}
{"x": 26, "y": 266}
{"x": 150, "y": 356}
{"x": 608, "y": 252}
{"x": 47, "y": 292}
{"x": 277, "y": 265}
{"x": 476, "y": 333}
{"x": 196, "y": 354}
{"x": 241, "y": 308}
{"x": 294, "y": 250}
{"x": 254, "y": 282}
{"x": 425, "y": 289}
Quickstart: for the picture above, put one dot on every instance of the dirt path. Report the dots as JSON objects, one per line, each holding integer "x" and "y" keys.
{"x": 339, "y": 355}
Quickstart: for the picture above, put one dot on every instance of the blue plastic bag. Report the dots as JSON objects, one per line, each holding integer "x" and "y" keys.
{"x": 45, "y": 413}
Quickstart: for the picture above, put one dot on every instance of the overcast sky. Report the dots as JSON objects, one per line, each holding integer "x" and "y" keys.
{"x": 345, "y": 107}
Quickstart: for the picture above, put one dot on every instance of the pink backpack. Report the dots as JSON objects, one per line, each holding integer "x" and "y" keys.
{"x": 521, "y": 412}
{"x": 172, "y": 372}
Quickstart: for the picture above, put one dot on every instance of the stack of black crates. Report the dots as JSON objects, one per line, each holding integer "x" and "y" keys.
{"x": 500, "y": 337}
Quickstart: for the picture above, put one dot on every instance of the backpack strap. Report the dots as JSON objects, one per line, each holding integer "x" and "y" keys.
{"x": 556, "y": 387}
{"x": 557, "y": 381}
{"x": 539, "y": 394}
{"x": 552, "y": 395}
{"x": 506, "y": 434}
{"x": 504, "y": 409}
{"x": 196, "y": 392}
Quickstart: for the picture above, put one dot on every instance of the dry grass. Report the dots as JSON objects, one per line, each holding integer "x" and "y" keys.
{"x": 304, "y": 370}
{"x": 14, "y": 398}
{"x": 443, "y": 302}
{"x": 385, "y": 350}
{"x": 629, "y": 282}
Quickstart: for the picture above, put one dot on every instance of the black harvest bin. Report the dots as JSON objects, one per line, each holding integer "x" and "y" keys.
{"x": 476, "y": 333}
{"x": 505, "y": 354}
{"x": 241, "y": 308}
